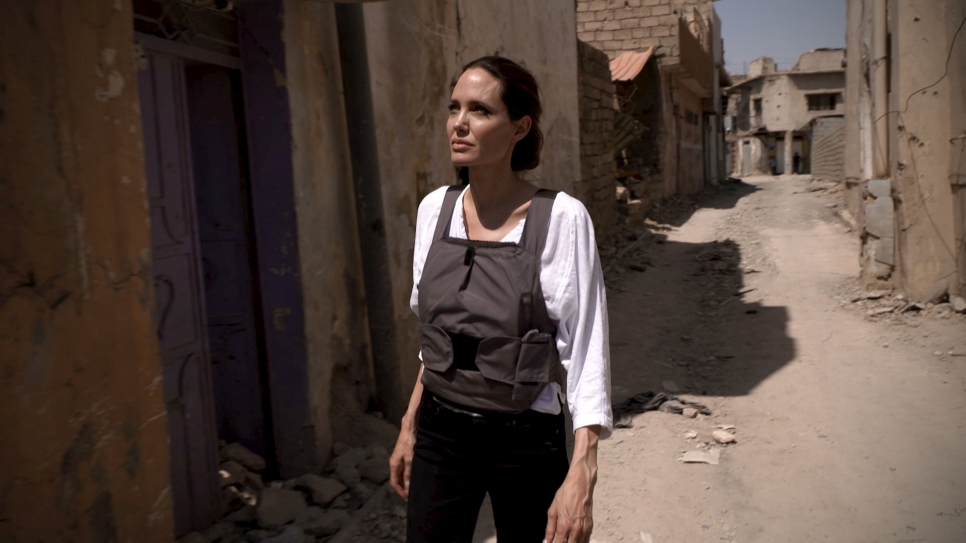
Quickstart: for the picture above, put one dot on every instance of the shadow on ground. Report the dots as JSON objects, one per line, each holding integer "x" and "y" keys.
{"x": 683, "y": 319}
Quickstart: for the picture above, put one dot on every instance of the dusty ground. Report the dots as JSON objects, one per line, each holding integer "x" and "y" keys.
{"x": 849, "y": 425}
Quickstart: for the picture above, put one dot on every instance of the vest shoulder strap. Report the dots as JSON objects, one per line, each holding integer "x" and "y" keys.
{"x": 446, "y": 212}
{"x": 538, "y": 221}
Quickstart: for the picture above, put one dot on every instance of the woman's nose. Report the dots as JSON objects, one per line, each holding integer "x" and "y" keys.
{"x": 459, "y": 123}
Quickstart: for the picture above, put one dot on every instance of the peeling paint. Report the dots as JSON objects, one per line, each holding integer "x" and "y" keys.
{"x": 115, "y": 86}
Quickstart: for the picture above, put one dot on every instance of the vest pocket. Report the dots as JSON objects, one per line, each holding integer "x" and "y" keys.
{"x": 437, "y": 348}
{"x": 495, "y": 358}
{"x": 538, "y": 356}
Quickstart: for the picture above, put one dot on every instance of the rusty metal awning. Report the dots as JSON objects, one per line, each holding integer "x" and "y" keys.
{"x": 629, "y": 64}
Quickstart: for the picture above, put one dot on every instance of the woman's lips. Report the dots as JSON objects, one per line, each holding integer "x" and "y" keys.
{"x": 459, "y": 145}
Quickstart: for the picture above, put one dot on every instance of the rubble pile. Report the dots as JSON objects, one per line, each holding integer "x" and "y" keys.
{"x": 885, "y": 305}
{"x": 311, "y": 508}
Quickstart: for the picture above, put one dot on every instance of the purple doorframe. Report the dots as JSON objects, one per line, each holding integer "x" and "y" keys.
{"x": 276, "y": 234}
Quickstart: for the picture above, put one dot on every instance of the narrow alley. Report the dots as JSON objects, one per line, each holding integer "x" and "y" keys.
{"x": 847, "y": 414}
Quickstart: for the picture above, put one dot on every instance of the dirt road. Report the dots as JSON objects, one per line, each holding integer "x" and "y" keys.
{"x": 849, "y": 427}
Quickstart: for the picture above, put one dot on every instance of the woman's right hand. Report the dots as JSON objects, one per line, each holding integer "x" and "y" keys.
{"x": 401, "y": 461}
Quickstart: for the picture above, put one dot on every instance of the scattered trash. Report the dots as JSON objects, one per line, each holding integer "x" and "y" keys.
{"x": 701, "y": 457}
{"x": 723, "y": 436}
{"x": 649, "y": 401}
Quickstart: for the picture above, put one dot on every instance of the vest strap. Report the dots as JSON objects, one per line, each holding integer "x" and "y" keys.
{"x": 535, "y": 230}
{"x": 446, "y": 212}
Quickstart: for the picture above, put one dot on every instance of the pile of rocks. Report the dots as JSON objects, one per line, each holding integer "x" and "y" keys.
{"x": 311, "y": 508}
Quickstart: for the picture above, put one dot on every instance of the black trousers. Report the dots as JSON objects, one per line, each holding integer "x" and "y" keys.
{"x": 520, "y": 460}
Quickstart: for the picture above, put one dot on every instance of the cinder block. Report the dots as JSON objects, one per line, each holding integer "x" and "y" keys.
{"x": 880, "y": 188}
{"x": 641, "y": 33}
{"x": 632, "y": 45}
{"x": 661, "y": 31}
{"x": 632, "y": 22}
{"x": 604, "y": 15}
{"x": 880, "y": 217}
{"x": 593, "y": 26}
{"x": 597, "y": 5}
{"x": 585, "y": 16}
{"x": 661, "y": 10}
{"x": 611, "y": 25}
{"x": 604, "y": 35}
{"x": 622, "y": 34}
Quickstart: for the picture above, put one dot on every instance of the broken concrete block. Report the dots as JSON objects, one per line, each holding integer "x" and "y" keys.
{"x": 885, "y": 251}
{"x": 938, "y": 292}
{"x": 351, "y": 459}
{"x": 239, "y": 453}
{"x": 879, "y": 218}
{"x": 376, "y": 469}
{"x": 689, "y": 412}
{"x": 880, "y": 188}
{"x": 316, "y": 522}
{"x": 232, "y": 473}
{"x": 723, "y": 436}
{"x": 279, "y": 506}
{"x": 958, "y": 303}
{"x": 323, "y": 491}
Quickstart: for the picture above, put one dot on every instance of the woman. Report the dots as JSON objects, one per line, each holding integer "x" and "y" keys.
{"x": 510, "y": 296}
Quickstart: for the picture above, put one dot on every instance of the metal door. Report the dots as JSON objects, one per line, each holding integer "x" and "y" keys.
{"x": 217, "y": 142}
{"x": 176, "y": 265}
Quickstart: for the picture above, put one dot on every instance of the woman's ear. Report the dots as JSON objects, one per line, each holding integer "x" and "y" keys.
{"x": 523, "y": 128}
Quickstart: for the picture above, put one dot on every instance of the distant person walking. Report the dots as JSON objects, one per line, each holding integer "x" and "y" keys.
{"x": 512, "y": 312}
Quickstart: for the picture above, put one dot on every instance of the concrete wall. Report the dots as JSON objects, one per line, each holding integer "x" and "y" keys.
{"x": 336, "y": 329}
{"x": 415, "y": 50}
{"x": 923, "y": 146}
{"x": 597, "y": 167}
{"x": 690, "y": 141}
{"x": 820, "y": 60}
{"x": 827, "y": 156}
{"x": 922, "y": 38}
{"x": 785, "y": 102}
{"x": 85, "y": 451}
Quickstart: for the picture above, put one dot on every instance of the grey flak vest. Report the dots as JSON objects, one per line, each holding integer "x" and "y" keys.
{"x": 487, "y": 340}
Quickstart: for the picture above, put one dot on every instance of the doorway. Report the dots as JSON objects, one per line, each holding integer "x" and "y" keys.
{"x": 204, "y": 259}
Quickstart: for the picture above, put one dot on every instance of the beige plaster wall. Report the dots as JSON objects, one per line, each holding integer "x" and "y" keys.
{"x": 336, "y": 329}
{"x": 785, "y": 103}
{"x": 415, "y": 50}
{"x": 924, "y": 148}
{"x": 85, "y": 432}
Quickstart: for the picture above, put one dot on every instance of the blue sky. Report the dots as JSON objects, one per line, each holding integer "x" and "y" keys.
{"x": 781, "y": 29}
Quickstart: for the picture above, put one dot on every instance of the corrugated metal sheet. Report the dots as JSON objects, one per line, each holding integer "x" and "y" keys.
{"x": 628, "y": 64}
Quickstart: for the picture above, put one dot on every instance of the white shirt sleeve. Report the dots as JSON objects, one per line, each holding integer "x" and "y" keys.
{"x": 573, "y": 285}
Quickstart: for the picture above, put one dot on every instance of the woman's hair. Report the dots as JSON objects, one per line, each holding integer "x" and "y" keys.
{"x": 521, "y": 96}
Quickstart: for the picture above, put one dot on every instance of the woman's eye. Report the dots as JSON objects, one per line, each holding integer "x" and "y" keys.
{"x": 481, "y": 110}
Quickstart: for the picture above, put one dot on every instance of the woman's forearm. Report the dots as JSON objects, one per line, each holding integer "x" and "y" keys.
{"x": 409, "y": 419}
{"x": 585, "y": 451}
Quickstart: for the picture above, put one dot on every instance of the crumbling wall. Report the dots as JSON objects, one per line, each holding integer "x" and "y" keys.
{"x": 615, "y": 27}
{"x": 827, "y": 157}
{"x": 597, "y": 168}
{"x": 85, "y": 455}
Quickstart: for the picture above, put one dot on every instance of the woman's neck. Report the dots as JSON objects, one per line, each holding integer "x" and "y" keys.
{"x": 492, "y": 188}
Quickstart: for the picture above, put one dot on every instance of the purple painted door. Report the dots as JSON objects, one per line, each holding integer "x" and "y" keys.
{"x": 217, "y": 141}
{"x": 176, "y": 265}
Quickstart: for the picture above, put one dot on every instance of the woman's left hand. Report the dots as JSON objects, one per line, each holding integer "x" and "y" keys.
{"x": 570, "y": 518}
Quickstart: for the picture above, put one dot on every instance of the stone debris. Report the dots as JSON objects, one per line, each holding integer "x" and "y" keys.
{"x": 323, "y": 491}
{"x": 723, "y": 436}
{"x": 306, "y": 509}
{"x": 278, "y": 507}
{"x": 958, "y": 303}
{"x": 711, "y": 456}
{"x": 689, "y": 412}
{"x": 239, "y": 453}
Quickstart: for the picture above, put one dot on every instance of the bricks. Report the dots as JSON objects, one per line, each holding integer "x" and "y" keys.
{"x": 641, "y": 33}
{"x": 622, "y": 34}
{"x": 633, "y": 22}
{"x": 661, "y": 10}
{"x": 611, "y": 25}
{"x": 604, "y": 35}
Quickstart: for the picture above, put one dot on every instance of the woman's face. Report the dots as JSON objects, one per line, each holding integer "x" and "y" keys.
{"x": 480, "y": 129}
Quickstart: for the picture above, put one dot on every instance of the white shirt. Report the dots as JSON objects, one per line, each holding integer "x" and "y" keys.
{"x": 573, "y": 288}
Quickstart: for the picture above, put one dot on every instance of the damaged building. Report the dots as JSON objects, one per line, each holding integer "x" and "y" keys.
{"x": 209, "y": 211}
{"x": 791, "y": 121}
{"x": 666, "y": 65}
{"x": 905, "y": 143}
